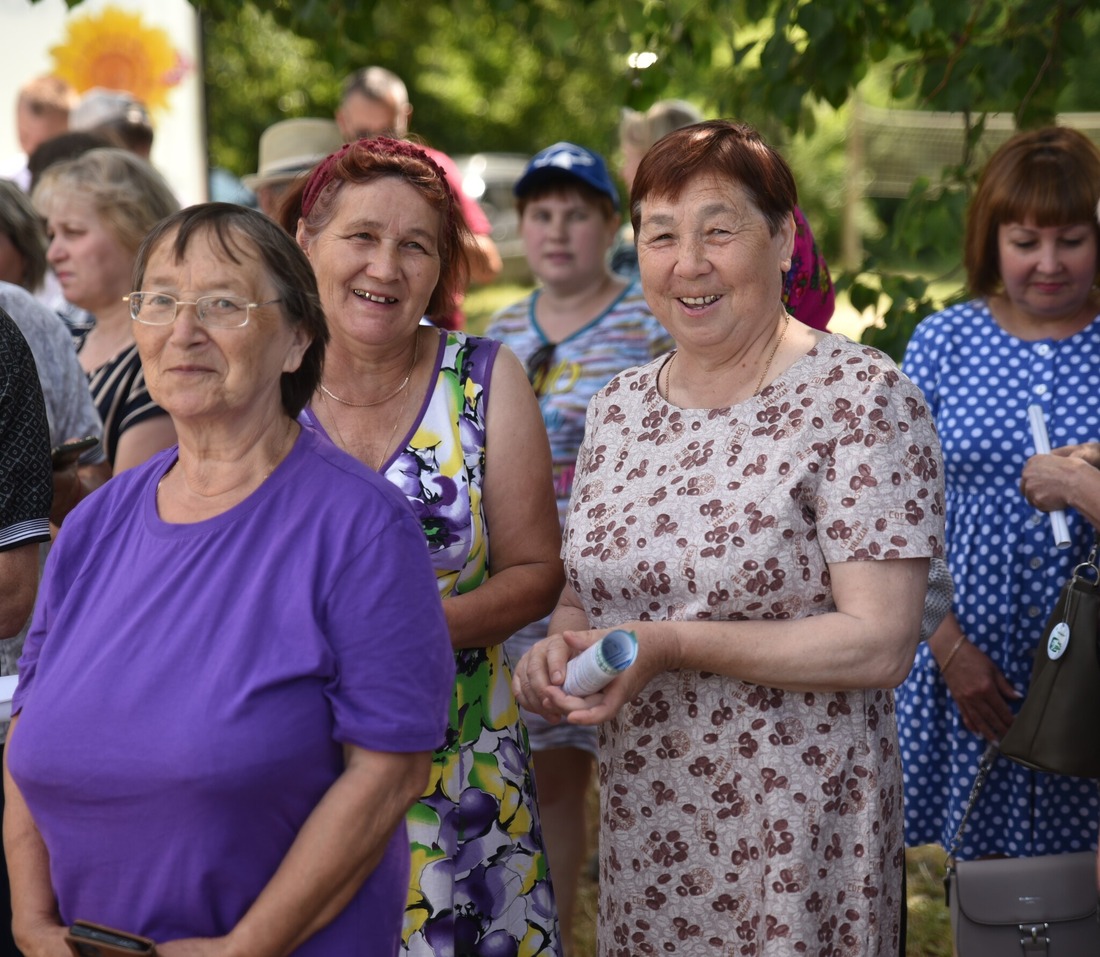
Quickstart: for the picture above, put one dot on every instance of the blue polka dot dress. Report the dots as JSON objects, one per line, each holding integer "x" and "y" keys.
{"x": 978, "y": 381}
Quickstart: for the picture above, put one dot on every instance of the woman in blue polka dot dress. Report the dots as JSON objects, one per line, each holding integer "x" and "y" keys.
{"x": 1032, "y": 336}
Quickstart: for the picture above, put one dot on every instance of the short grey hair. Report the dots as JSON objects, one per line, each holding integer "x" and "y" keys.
{"x": 377, "y": 83}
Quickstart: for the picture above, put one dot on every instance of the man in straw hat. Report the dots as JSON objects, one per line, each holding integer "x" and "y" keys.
{"x": 288, "y": 149}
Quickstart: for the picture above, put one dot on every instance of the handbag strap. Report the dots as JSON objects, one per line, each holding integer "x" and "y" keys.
{"x": 984, "y": 767}
{"x": 1092, "y": 562}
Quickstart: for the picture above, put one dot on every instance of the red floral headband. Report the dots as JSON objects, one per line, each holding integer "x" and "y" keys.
{"x": 324, "y": 172}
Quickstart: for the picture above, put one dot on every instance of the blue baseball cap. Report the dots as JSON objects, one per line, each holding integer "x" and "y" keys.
{"x": 570, "y": 160}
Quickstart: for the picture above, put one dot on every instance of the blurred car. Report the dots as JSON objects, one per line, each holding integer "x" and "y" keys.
{"x": 488, "y": 178}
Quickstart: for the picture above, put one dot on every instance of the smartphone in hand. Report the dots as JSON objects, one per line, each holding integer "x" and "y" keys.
{"x": 94, "y": 940}
{"x": 66, "y": 453}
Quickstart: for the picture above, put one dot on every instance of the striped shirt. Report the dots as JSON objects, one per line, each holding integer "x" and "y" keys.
{"x": 118, "y": 388}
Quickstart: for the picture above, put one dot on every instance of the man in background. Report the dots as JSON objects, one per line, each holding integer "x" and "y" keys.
{"x": 375, "y": 102}
{"x": 41, "y": 113}
{"x": 288, "y": 149}
{"x": 117, "y": 116}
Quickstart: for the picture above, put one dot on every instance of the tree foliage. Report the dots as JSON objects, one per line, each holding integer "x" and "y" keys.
{"x": 518, "y": 74}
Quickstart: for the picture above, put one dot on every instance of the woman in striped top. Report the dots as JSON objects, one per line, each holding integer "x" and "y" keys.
{"x": 98, "y": 209}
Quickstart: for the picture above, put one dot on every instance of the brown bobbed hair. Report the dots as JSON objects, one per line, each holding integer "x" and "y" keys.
{"x": 370, "y": 159}
{"x": 242, "y": 233}
{"x": 725, "y": 150}
{"x": 1044, "y": 177}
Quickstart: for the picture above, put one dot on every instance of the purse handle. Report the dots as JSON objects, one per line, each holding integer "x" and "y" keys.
{"x": 1093, "y": 561}
{"x": 984, "y": 767}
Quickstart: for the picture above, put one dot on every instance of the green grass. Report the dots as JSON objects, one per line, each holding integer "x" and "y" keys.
{"x": 929, "y": 932}
{"x": 482, "y": 301}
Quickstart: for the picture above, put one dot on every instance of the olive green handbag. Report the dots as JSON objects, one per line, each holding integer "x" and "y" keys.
{"x": 1057, "y": 729}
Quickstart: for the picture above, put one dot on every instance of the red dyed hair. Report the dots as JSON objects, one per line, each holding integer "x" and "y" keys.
{"x": 313, "y": 200}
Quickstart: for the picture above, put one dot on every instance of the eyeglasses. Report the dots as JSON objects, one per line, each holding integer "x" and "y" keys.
{"x": 214, "y": 312}
{"x": 538, "y": 365}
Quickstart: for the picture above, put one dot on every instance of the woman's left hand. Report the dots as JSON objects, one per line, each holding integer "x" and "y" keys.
{"x": 1046, "y": 479}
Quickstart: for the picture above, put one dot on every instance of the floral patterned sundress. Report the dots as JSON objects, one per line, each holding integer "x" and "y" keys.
{"x": 479, "y": 883}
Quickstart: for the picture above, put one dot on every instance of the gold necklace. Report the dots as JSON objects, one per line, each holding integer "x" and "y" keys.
{"x": 404, "y": 382}
{"x": 668, "y": 377}
{"x": 385, "y": 451}
{"x": 775, "y": 349}
{"x": 759, "y": 385}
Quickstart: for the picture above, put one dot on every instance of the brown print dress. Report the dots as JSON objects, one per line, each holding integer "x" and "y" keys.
{"x": 738, "y": 819}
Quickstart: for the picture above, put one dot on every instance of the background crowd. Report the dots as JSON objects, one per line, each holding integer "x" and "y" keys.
{"x": 328, "y": 537}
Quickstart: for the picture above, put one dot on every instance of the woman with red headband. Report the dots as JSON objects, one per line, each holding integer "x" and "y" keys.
{"x": 451, "y": 420}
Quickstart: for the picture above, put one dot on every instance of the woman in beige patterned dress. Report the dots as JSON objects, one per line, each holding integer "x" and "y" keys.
{"x": 759, "y": 507}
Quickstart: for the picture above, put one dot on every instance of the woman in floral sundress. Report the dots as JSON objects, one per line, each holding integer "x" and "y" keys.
{"x": 760, "y": 507}
{"x": 451, "y": 420}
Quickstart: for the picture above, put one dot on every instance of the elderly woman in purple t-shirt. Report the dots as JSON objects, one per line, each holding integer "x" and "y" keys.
{"x": 225, "y": 708}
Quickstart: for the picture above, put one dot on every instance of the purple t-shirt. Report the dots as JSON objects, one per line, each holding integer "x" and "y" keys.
{"x": 185, "y": 691}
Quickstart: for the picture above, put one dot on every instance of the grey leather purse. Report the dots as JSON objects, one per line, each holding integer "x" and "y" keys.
{"x": 1021, "y": 906}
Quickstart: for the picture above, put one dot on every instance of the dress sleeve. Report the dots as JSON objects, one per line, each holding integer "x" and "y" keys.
{"x": 922, "y": 362}
{"x": 808, "y": 288}
{"x": 879, "y": 490}
{"x": 395, "y": 667}
{"x": 585, "y": 455}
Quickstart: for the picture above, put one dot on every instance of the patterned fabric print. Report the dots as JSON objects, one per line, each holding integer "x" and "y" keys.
{"x": 738, "y": 819}
{"x": 121, "y": 396}
{"x": 979, "y": 380}
{"x": 625, "y": 334}
{"x": 479, "y": 883}
{"x": 26, "y": 487}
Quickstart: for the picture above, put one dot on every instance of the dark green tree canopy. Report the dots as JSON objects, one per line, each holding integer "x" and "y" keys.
{"x": 518, "y": 74}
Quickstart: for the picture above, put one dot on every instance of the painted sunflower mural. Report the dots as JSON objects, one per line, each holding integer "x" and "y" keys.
{"x": 117, "y": 50}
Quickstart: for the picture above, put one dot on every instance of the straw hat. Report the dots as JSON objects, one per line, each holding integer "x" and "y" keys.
{"x": 291, "y": 147}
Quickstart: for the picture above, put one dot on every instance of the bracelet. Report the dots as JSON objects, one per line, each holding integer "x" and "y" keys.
{"x": 951, "y": 654}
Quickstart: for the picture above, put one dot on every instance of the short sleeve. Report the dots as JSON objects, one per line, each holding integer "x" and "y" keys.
{"x": 879, "y": 492}
{"x": 76, "y": 415}
{"x": 585, "y": 456}
{"x": 384, "y": 621}
{"x": 922, "y": 362}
